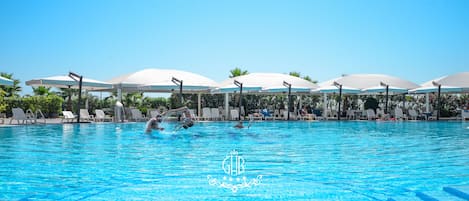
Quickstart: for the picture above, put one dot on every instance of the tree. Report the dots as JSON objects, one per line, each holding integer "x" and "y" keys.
{"x": 295, "y": 74}
{"x": 11, "y": 91}
{"x": 41, "y": 91}
{"x": 68, "y": 92}
{"x": 298, "y": 74}
{"x": 133, "y": 99}
{"x": 237, "y": 72}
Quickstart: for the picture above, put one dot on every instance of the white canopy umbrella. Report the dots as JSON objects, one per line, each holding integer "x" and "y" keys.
{"x": 231, "y": 88}
{"x": 6, "y": 81}
{"x": 267, "y": 83}
{"x": 163, "y": 80}
{"x": 382, "y": 89}
{"x": 375, "y": 83}
{"x": 335, "y": 89}
{"x": 363, "y": 81}
{"x": 63, "y": 81}
{"x": 444, "y": 89}
{"x": 456, "y": 83}
{"x": 71, "y": 81}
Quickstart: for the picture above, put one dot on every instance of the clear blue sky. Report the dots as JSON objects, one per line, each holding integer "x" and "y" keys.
{"x": 413, "y": 39}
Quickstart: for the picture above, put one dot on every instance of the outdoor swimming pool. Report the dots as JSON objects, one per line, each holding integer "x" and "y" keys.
{"x": 295, "y": 160}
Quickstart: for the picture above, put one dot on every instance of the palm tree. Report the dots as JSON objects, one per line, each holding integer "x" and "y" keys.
{"x": 41, "y": 90}
{"x": 11, "y": 91}
{"x": 68, "y": 92}
{"x": 238, "y": 72}
{"x": 133, "y": 99}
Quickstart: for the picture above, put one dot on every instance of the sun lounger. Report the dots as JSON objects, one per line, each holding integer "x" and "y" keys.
{"x": 206, "y": 114}
{"x": 101, "y": 116}
{"x": 350, "y": 114}
{"x": 68, "y": 116}
{"x": 370, "y": 114}
{"x": 85, "y": 115}
{"x": 19, "y": 115}
{"x": 234, "y": 114}
{"x": 38, "y": 115}
{"x": 193, "y": 116}
{"x": 413, "y": 114}
{"x": 137, "y": 115}
{"x": 215, "y": 114}
{"x": 465, "y": 115}
{"x": 398, "y": 114}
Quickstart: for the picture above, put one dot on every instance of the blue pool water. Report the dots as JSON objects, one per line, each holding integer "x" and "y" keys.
{"x": 296, "y": 160}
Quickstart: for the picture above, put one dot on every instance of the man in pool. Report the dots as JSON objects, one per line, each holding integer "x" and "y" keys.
{"x": 239, "y": 125}
{"x": 187, "y": 120}
{"x": 153, "y": 124}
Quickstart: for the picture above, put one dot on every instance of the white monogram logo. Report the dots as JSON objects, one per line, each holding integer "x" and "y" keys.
{"x": 234, "y": 166}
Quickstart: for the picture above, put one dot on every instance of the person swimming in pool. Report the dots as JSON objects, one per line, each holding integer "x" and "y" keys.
{"x": 187, "y": 120}
{"x": 153, "y": 123}
{"x": 239, "y": 125}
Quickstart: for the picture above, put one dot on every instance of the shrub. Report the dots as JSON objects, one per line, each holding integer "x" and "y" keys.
{"x": 371, "y": 103}
{"x": 49, "y": 105}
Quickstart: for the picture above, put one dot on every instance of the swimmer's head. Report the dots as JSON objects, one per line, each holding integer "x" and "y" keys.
{"x": 159, "y": 118}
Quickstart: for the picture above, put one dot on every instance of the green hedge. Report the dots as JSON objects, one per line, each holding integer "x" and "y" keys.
{"x": 50, "y": 105}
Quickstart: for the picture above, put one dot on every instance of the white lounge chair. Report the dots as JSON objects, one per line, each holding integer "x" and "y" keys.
{"x": 380, "y": 113}
{"x": 350, "y": 114}
{"x": 68, "y": 116}
{"x": 215, "y": 113}
{"x": 193, "y": 116}
{"x": 85, "y": 115}
{"x": 206, "y": 114}
{"x": 398, "y": 114}
{"x": 137, "y": 115}
{"x": 370, "y": 114}
{"x": 101, "y": 116}
{"x": 36, "y": 116}
{"x": 413, "y": 114}
{"x": 292, "y": 115}
{"x": 464, "y": 114}
{"x": 18, "y": 114}
{"x": 234, "y": 114}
